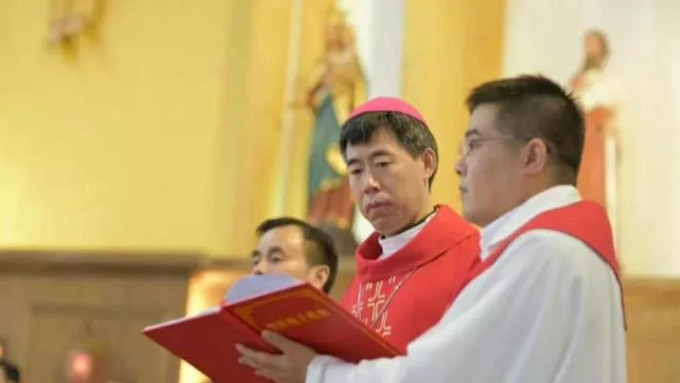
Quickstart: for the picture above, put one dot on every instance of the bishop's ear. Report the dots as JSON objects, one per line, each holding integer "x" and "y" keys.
{"x": 429, "y": 158}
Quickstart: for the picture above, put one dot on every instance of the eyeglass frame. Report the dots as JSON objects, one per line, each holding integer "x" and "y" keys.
{"x": 466, "y": 143}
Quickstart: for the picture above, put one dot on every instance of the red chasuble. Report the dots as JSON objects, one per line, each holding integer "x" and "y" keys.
{"x": 404, "y": 295}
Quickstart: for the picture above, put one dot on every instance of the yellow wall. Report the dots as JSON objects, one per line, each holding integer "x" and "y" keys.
{"x": 256, "y": 57}
{"x": 130, "y": 141}
{"x": 112, "y": 147}
{"x": 164, "y": 132}
{"x": 449, "y": 47}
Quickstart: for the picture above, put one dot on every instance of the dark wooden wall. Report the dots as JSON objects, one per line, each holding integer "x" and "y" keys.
{"x": 52, "y": 304}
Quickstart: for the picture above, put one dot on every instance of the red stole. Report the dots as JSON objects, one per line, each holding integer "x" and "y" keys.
{"x": 585, "y": 220}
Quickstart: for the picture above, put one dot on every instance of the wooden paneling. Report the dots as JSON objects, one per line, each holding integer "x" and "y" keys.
{"x": 56, "y": 303}
{"x": 653, "y": 337}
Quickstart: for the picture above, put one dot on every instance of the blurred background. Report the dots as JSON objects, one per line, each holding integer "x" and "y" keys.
{"x": 141, "y": 142}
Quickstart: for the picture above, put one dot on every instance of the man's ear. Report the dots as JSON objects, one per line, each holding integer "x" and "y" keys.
{"x": 429, "y": 158}
{"x": 535, "y": 156}
{"x": 318, "y": 276}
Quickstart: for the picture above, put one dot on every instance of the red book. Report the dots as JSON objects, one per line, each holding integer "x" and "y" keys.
{"x": 294, "y": 309}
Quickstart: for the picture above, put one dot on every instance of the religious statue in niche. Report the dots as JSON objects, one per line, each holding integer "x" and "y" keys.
{"x": 599, "y": 96}
{"x": 337, "y": 86}
{"x": 72, "y": 18}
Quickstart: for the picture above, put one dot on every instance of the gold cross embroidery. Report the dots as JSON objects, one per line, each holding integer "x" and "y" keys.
{"x": 384, "y": 329}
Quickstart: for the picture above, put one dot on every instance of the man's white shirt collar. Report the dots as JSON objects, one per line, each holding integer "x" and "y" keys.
{"x": 498, "y": 230}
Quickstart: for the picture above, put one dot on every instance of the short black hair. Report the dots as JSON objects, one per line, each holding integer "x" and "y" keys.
{"x": 413, "y": 135}
{"x": 536, "y": 107}
{"x": 320, "y": 249}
